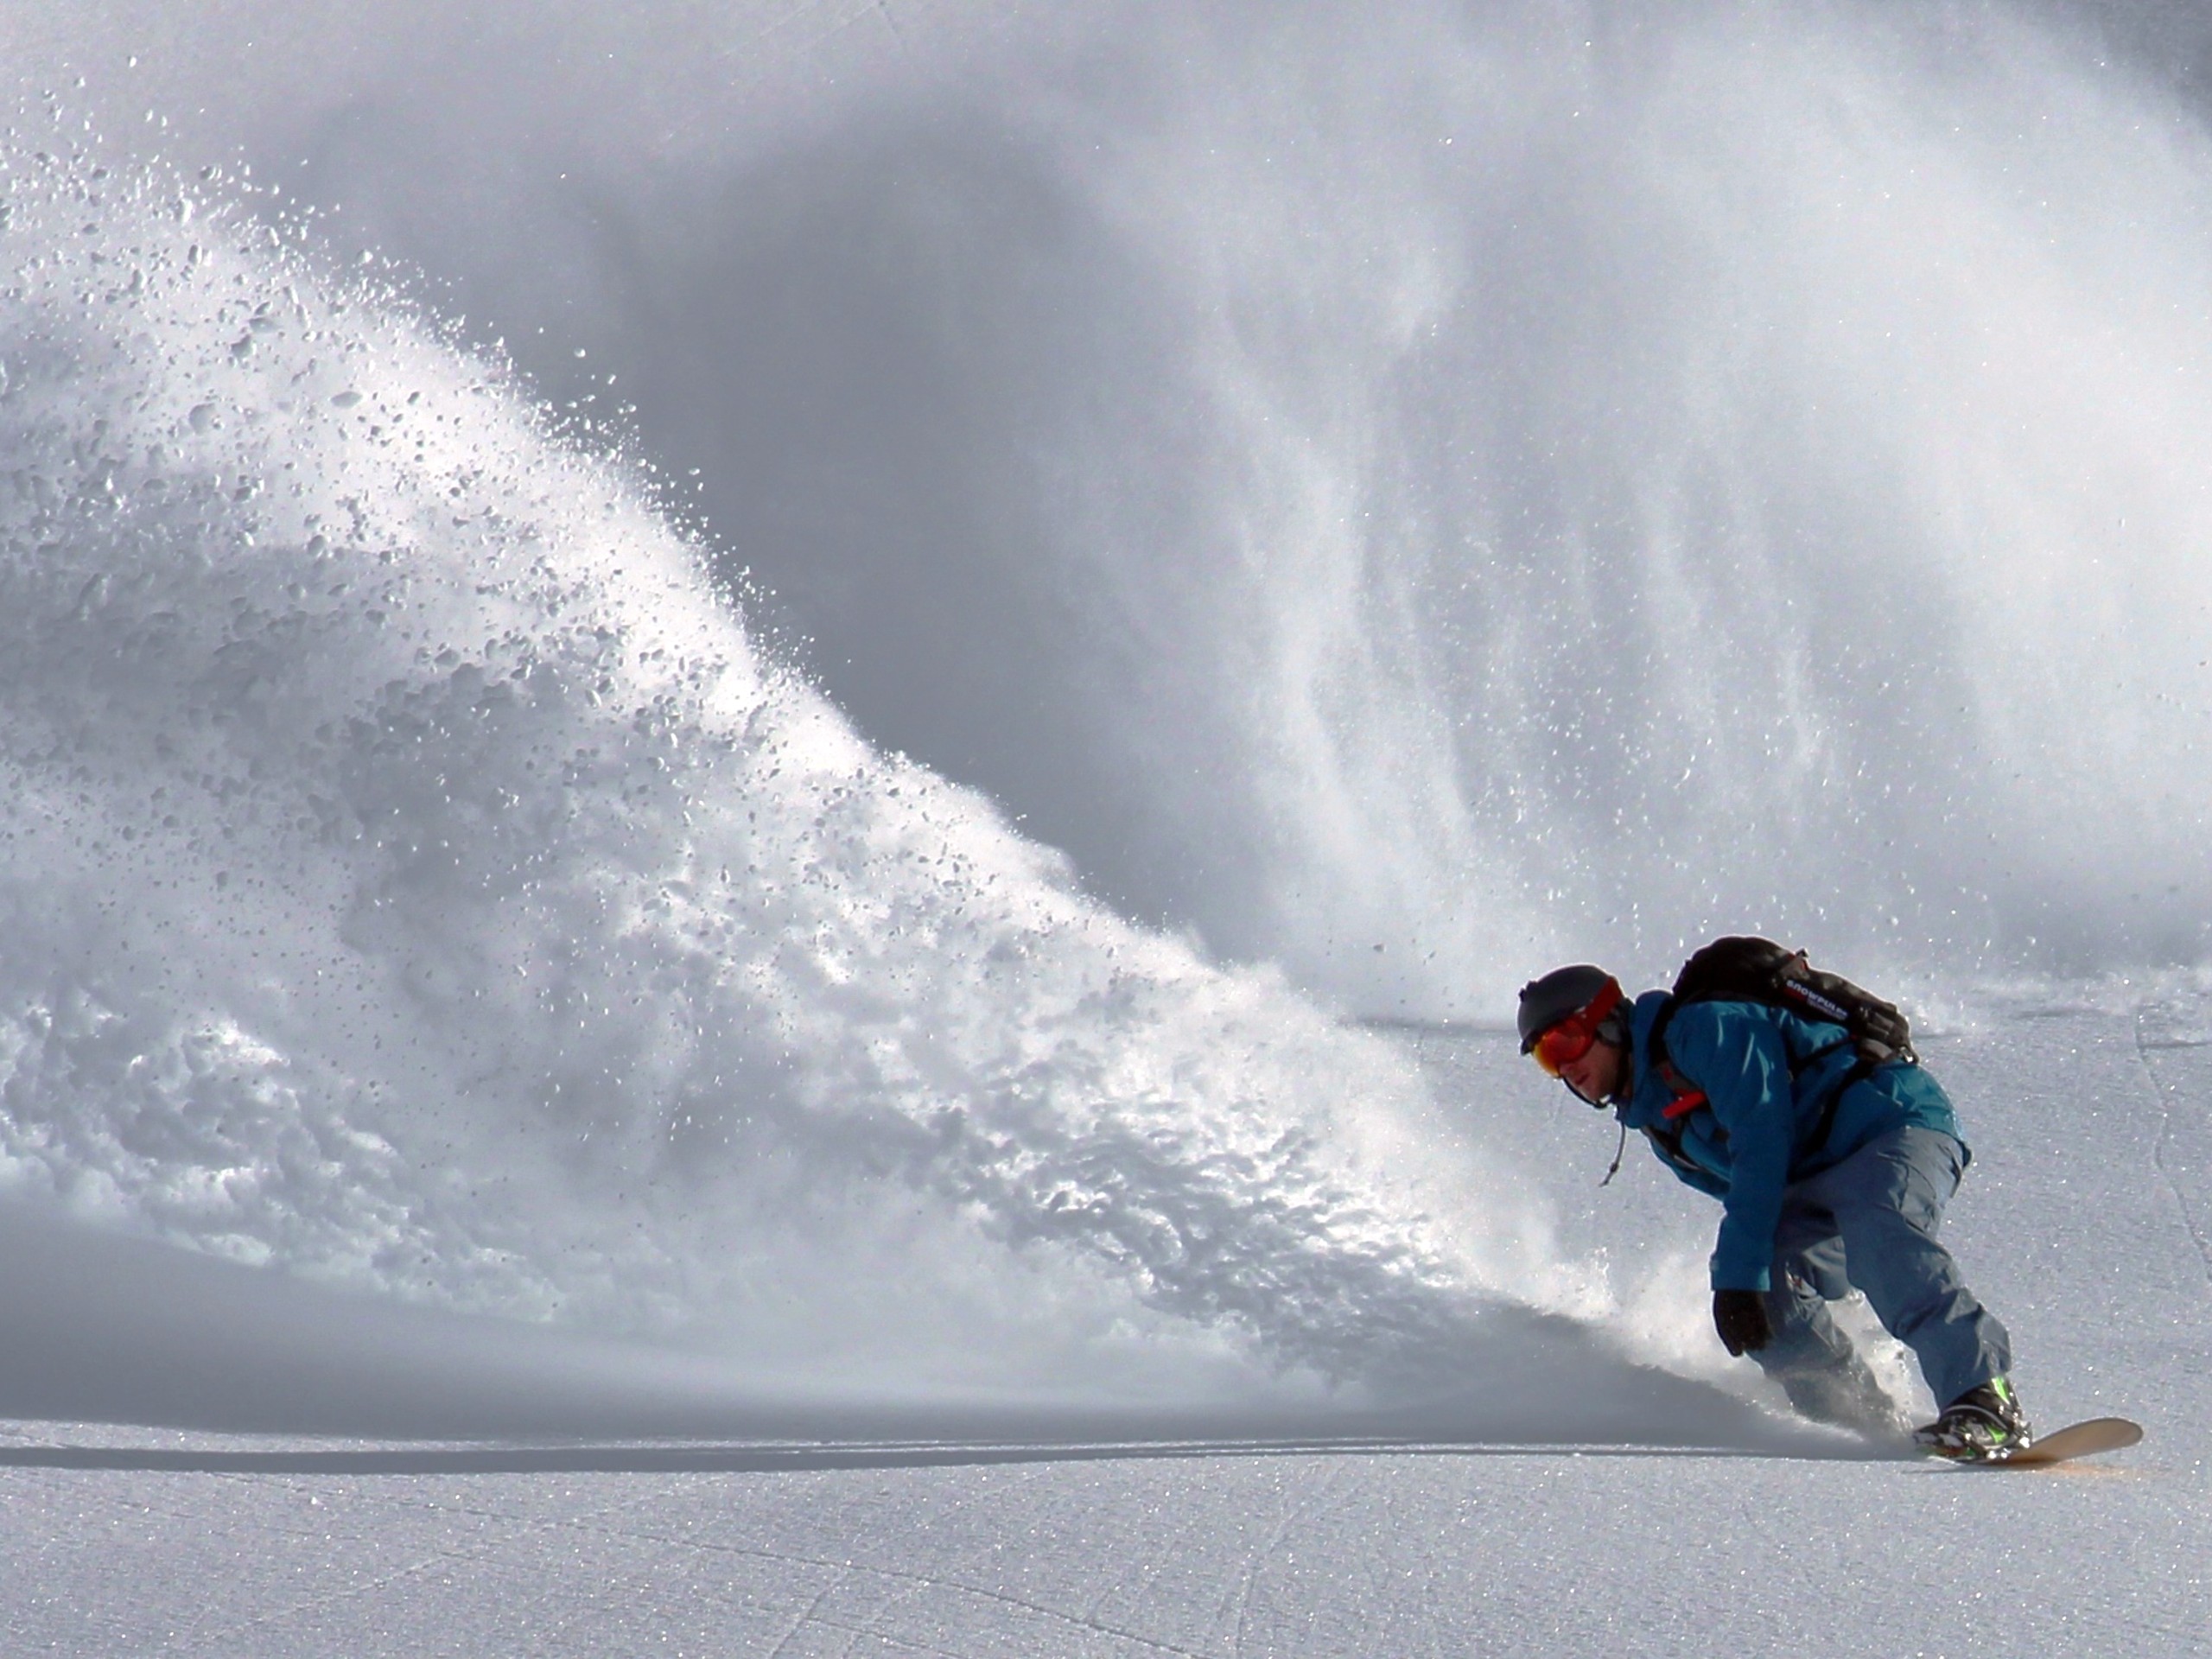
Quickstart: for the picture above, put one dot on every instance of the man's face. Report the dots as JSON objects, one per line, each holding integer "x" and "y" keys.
{"x": 1596, "y": 1074}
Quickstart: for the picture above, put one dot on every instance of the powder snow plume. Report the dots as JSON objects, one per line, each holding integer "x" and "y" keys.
{"x": 1506, "y": 483}
{"x": 416, "y": 880}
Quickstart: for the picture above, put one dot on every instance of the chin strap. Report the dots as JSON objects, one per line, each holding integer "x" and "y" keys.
{"x": 1619, "y": 1153}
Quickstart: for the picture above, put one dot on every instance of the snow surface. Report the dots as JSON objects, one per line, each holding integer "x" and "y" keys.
{"x": 2081, "y": 1222}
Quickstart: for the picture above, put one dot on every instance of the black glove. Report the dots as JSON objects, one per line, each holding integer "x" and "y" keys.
{"x": 1740, "y": 1318}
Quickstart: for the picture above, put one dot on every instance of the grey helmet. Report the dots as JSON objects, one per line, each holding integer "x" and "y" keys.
{"x": 1563, "y": 992}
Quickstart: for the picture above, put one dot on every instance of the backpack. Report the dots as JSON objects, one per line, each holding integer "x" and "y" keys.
{"x": 1759, "y": 971}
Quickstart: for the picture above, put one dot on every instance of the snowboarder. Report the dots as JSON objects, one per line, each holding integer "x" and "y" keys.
{"x": 1830, "y": 1175}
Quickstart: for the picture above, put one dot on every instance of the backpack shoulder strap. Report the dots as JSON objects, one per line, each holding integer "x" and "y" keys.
{"x": 1655, "y": 1050}
{"x": 1689, "y": 1097}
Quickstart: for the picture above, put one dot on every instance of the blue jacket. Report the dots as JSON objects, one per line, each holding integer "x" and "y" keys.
{"x": 1758, "y": 1129}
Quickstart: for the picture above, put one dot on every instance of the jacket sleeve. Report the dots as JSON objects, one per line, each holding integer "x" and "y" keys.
{"x": 1737, "y": 1055}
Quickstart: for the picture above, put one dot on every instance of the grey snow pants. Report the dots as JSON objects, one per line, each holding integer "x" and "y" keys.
{"x": 1870, "y": 1223}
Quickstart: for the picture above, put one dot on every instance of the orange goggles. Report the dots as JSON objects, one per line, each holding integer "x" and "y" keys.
{"x": 1563, "y": 1045}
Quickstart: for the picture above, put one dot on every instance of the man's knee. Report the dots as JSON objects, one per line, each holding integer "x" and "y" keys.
{"x": 1900, "y": 1181}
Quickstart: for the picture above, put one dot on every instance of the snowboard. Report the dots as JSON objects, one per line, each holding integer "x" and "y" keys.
{"x": 2082, "y": 1439}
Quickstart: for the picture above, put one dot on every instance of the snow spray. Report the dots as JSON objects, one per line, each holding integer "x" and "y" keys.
{"x": 417, "y": 880}
{"x": 1415, "y": 497}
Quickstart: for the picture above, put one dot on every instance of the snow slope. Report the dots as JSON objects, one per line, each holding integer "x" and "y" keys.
{"x": 2076, "y": 1224}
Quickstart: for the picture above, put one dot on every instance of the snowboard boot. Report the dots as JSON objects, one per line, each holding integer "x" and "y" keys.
{"x": 1983, "y": 1425}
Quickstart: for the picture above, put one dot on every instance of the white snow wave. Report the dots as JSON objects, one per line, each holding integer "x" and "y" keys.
{"x": 416, "y": 879}
{"x": 1487, "y": 481}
